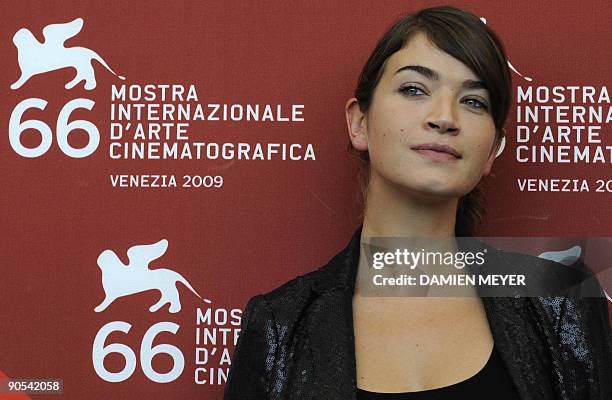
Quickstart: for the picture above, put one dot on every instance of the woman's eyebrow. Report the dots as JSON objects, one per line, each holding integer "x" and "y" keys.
{"x": 426, "y": 72}
{"x": 472, "y": 84}
{"x": 434, "y": 76}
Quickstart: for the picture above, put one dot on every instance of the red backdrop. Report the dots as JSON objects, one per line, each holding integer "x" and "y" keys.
{"x": 271, "y": 219}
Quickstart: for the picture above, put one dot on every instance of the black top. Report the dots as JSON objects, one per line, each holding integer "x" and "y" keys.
{"x": 491, "y": 382}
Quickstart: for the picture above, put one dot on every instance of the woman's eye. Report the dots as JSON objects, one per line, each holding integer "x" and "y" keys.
{"x": 476, "y": 104}
{"x": 412, "y": 90}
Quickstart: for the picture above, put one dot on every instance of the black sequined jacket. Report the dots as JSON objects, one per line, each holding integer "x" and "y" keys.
{"x": 297, "y": 342}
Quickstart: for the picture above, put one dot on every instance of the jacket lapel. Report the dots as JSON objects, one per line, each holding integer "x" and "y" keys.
{"x": 331, "y": 326}
{"x": 519, "y": 346}
{"x": 333, "y": 348}
{"x": 516, "y": 330}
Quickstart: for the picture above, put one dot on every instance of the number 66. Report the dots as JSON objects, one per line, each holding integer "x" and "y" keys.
{"x": 63, "y": 128}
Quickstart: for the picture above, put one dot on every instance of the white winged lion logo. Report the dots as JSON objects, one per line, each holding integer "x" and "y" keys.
{"x": 37, "y": 58}
{"x": 119, "y": 280}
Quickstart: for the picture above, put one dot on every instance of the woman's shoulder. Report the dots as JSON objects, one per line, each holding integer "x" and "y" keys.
{"x": 298, "y": 293}
{"x": 287, "y": 300}
{"x": 289, "y": 295}
{"x": 572, "y": 301}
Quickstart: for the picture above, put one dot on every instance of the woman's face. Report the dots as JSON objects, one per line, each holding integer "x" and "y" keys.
{"x": 426, "y": 106}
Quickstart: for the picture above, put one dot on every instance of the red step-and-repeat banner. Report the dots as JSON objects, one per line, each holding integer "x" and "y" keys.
{"x": 162, "y": 162}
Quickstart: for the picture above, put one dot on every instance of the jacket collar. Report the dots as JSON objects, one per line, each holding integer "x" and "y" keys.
{"x": 341, "y": 271}
{"x": 515, "y": 325}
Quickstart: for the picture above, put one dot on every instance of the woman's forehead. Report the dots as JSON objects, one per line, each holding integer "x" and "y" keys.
{"x": 421, "y": 51}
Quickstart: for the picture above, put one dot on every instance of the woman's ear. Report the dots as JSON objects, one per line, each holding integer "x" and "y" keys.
{"x": 498, "y": 148}
{"x": 489, "y": 164}
{"x": 357, "y": 125}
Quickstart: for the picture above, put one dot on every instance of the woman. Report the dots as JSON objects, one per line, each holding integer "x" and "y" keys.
{"x": 427, "y": 119}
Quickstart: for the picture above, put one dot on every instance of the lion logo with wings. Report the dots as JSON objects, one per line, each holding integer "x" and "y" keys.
{"x": 37, "y": 58}
{"x": 119, "y": 280}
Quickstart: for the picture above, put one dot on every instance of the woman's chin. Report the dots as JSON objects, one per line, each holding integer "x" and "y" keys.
{"x": 445, "y": 188}
{"x": 433, "y": 192}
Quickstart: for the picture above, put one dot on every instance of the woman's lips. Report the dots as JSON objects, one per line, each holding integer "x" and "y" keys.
{"x": 439, "y": 152}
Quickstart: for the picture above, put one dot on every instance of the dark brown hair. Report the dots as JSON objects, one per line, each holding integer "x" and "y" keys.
{"x": 465, "y": 37}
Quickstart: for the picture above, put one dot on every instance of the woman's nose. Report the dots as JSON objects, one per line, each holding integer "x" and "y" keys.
{"x": 442, "y": 118}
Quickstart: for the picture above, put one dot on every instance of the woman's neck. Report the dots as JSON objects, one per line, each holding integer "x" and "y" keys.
{"x": 393, "y": 211}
